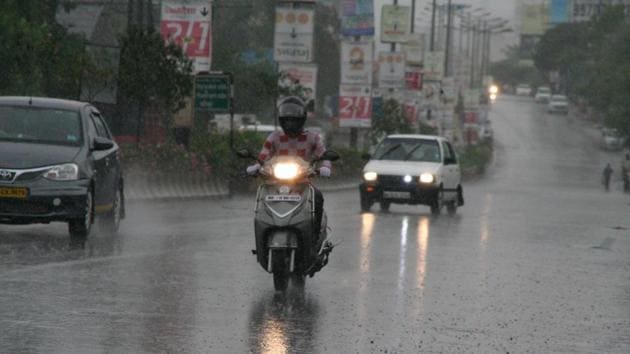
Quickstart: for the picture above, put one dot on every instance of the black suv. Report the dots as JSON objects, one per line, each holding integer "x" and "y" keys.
{"x": 58, "y": 162}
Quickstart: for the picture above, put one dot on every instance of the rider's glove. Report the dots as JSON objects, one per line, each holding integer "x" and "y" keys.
{"x": 324, "y": 171}
{"x": 253, "y": 169}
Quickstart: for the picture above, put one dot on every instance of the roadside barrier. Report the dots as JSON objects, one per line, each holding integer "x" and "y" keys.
{"x": 165, "y": 186}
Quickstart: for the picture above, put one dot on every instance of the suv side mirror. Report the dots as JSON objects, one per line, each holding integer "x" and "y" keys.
{"x": 330, "y": 155}
{"x": 101, "y": 144}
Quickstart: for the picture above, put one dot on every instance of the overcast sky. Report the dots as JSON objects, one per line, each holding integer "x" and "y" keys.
{"x": 499, "y": 8}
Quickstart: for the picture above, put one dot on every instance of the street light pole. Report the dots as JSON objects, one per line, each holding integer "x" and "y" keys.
{"x": 432, "y": 46}
{"x": 447, "y": 50}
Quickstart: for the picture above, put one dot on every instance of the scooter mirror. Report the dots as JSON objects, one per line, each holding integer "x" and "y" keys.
{"x": 330, "y": 155}
{"x": 244, "y": 153}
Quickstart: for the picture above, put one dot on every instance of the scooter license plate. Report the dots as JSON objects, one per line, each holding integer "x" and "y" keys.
{"x": 283, "y": 198}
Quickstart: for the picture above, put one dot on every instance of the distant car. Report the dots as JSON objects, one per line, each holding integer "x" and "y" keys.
{"x": 543, "y": 94}
{"x": 58, "y": 164}
{"x": 412, "y": 169}
{"x": 523, "y": 90}
{"x": 612, "y": 139}
{"x": 558, "y": 104}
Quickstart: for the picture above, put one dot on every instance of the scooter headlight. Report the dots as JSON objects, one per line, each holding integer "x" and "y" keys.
{"x": 286, "y": 170}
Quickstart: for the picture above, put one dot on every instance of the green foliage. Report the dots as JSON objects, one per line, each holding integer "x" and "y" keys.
{"x": 152, "y": 70}
{"x": 512, "y": 71}
{"x": 474, "y": 159}
{"x": 393, "y": 121}
{"x": 592, "y": 60}
{"x": 39, "y": 57}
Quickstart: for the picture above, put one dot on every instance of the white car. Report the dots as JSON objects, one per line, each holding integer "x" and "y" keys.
{"x": 412, "y": 169}
{"x": 612, "y": 139}
{"x": 543, "y": 94}
{"x": 523, "y": 90}
{"x": 558, "y": 104}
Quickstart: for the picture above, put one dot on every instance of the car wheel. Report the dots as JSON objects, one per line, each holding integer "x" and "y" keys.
{"x": 110, "y": 222}
{"x": 436, "y": 205}
{"x": 80, "y": 228}
{"x": 366, "y": 204}
{"x": 385, "y": 206}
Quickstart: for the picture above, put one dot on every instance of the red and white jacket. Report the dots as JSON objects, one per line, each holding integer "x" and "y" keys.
{"x": 307, "y": 145}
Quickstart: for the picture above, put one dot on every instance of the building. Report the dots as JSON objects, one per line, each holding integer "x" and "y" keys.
{"x": 584, "y": 10}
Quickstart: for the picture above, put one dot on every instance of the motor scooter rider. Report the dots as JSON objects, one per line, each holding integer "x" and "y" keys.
{"x": 293, "y": 140}
{"x": 625, "y": 172}
{"x": 607, "y": 173}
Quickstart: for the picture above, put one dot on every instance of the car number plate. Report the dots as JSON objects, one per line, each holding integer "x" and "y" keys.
{"x": 397, "y": 195}
{"x": 13, "y": 192}
{"x": 283, "y": 198}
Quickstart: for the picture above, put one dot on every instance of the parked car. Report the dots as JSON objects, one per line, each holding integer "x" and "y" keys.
{"x": 412, "y": 169}
{"x": 558, "y": 104}
{"x": 59, "y": 163}
{"x": 543, "y": 94}
{"x": 612, "y": 139}
{"x": 523, "y": 90}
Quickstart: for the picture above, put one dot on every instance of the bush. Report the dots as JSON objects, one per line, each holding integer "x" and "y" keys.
{"x": 474, "y": 159}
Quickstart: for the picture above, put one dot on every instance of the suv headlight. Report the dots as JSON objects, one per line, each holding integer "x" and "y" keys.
{"x": 370, "y": 176}
{"x": 427, "y": 178}
{"x": 65, "y": 172}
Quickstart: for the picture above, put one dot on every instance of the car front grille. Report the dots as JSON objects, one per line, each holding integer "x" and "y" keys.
{"x": 392, "y": 181}
{"x": 27, "y": 176}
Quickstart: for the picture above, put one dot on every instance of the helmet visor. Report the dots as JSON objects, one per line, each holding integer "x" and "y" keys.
{"x": 291, "y": 110}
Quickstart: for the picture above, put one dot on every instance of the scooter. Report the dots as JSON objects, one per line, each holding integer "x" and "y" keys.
{"x": 287, "y": 243}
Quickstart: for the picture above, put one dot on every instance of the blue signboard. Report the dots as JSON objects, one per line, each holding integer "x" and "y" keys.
{"x": 357, "y": 18}
{"x": 559, "y": 11}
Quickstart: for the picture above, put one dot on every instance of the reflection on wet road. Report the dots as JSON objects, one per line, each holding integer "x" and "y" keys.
{"x": 537, "y": 260}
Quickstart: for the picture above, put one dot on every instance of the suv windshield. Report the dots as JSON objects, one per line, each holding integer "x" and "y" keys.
{"x": 408, "y": 149}
{"x": 40, "y": 125}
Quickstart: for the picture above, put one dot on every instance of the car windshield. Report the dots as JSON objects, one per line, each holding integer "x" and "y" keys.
{"x": 40, "y": 125}
{"x": 408, "y": 149}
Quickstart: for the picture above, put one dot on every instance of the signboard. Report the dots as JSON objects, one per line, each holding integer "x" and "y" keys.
{"x": 414, "y": 49}
{"x": 411, "y": 105}
{"x": 356, "y": 63}
{"x": 395, "y": 23}
{"x": 434, "y": 66}
{"x": 534, "y": 18}
{"x": 391, "y": 69}
{"x": 213, "y": 93}
{"x": 471, "y": 117}
{"x": 293, "y": 39}
{"x": 357, "y": 18}
{"x": 471, "y": 98}
{"x": 355, "y": 106}
{"x": 449, "y": 90}
{"x": 431, "y": 94}
{"x": 413, "y": 78}
{"x": 189, "y": 25}
{"x": 559, "y": 11}
{"x": 300, "y": 80}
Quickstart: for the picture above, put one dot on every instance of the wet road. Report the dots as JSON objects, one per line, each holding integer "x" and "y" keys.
{"x": 537, "y": 261}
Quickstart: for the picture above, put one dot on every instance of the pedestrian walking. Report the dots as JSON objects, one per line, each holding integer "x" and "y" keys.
{"x": 606, "y": 175}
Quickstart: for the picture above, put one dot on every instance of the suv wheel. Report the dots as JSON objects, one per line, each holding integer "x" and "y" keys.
{"x": 385, "y": 206}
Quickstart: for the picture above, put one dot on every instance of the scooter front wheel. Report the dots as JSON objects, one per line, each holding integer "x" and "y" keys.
{"x": 280, "y": 280}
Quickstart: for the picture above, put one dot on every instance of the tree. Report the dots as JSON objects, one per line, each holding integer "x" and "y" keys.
{"x": 393, "y": 121}
{"x": 152, "y": 71}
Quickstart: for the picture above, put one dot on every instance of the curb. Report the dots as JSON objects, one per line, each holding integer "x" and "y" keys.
{"x": 198, "y": 187}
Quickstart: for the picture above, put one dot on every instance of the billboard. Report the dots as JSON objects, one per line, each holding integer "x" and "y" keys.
{"x": 434, "y": 66}
{"x": 391, "y": 69}
{"x": 293, "y": 38}
{"x": 395, "y": 23}
{"x": 356, "y": 63}
{"x": 357, "y": 18}
{"x": 413, "y": 78}
{"x": 559, "y": 11}
{"x": 534, "y": 18}
{"x": 188, "y": 24}
{"x": 414, "y": 49}
{"x": 300, "y": 80}
{"x": 355, "y": 106}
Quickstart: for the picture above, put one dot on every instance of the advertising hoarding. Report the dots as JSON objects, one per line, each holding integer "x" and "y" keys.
{"x": 414, "y": 49}
{"x": 356, "y": 63}
{"x": 534, "y": 19}
{"x": 559, "y": 11}
{"x": 293, "y": 38}
{"x": 433, "y": 66}
{"x": 395, "y": 23}
{"x": 188, "y": 24}
{"x": 391, "y": 69}
{"x": 357, "y": 18}
{"x": 299, "y": 80}
{"x": 355, "y": 106}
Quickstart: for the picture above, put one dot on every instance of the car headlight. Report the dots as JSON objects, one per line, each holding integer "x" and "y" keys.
{"x": 286, "y": 170}
{"x": 494, "y": 89}
{"x": 65, "y": 172}
{"x": 370, "y": 176}
{"x": 427, "y": 178}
